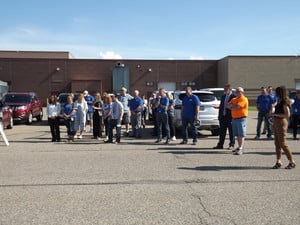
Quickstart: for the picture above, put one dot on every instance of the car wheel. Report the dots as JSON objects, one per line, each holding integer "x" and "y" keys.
{"x": 29, "y": 120}
{"x": 11, "y": 123}
{"x": 40, "y": 116}
{"x": 215, "y": 132}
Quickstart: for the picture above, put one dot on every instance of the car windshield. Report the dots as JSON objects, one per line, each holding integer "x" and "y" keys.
{"x": 63, "y": 98}
{"x": 203, "y": 97}
{"x": 17, "y": 98}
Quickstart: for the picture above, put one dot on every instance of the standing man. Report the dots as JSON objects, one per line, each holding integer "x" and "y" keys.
{"x": 189, "y": 113}
{"x": 90, "y": 102}
{"x": 264, "y": 103}
{"x": 225, "y": 119}
{"x": 124, "y": 98}
{"x": 239, "y": 113}
{"x": 136, "y": 108}
{"x": 296, "y": 114}
{"x": 274, "y": 100}
{"x": 115, "y": 122}
{"x": 162, "y": 115}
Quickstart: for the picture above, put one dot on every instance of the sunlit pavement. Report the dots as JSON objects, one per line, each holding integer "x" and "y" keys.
{"x": 140, "y": 182}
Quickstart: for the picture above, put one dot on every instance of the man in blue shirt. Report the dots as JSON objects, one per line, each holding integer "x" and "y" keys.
{"x": 296, "y": 115}
{"x": 162, "y": 115}
{"x": 115, "y": 121}
{"x": 274, "y": 99}
{"x": 264, "y": 103}
{"x": 125, "y": 98}
{"x": 189, "y": 113}
{"x": 136, "y": 108}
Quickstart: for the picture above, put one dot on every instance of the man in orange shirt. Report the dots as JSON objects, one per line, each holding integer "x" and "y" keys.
{"x": 239, "y": 112}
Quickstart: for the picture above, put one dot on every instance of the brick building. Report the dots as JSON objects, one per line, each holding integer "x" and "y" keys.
{"x": 48, "y": 72}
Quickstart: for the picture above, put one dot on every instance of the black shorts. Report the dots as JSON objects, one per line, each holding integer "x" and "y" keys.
{"x": 125, "y": 118}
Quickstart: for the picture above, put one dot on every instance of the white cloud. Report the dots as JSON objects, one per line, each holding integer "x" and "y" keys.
{"x": 110, "y": 55}
{"x": 196, "y": 58}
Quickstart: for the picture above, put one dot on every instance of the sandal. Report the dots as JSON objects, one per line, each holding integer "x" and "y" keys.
{"x": 277, "y": 165}
{"x": 291, "y": 165}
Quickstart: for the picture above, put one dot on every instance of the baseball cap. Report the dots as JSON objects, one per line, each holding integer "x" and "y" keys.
{"x": 85, "y": 93}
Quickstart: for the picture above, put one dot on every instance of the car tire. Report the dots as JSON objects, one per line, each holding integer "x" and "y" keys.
{"x": 11, "y": 123}
{"x": 40, "y": 116}
{"x": 215, "y": 132}
{"x": 30, "y": 117}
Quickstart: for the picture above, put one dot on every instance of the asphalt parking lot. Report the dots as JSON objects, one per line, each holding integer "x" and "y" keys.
{"x": 140, "y": 182}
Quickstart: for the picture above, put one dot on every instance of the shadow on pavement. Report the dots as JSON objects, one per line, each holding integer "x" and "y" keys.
{"x": 222, "y": 168}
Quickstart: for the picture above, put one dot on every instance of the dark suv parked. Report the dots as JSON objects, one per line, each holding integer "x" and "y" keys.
{"x": 25, "y": 106}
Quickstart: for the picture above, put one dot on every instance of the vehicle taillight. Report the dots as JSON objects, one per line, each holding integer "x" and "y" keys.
{"x": 216, "y": 106}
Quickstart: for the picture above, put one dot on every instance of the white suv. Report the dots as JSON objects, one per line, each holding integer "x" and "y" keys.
{"x": 209, "y": 110}
{"x": 218, "y": 92}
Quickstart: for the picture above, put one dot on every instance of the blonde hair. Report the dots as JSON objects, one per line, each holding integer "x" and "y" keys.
{"x": 170, "y": 96}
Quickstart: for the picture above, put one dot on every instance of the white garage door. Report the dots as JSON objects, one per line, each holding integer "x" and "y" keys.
{"x": 169, "y": 86}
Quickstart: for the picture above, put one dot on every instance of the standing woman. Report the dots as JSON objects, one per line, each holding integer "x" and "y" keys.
{"x": 81, "y": 111}
{"x": 280, "y": 126}
{"x": 144, "y": 111}
{"x": 53, "y": 111}
{"x": 97, "y": 117}
{"x": 106, "y": 114}
{"x": 171, "y": 116}
{"x": 70, "y": 115}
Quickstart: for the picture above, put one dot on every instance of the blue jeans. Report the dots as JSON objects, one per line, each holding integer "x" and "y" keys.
{"x": 185, "y": 123}
{"x": 263, "y": 116}
{"x": 70, "y": 127}
{"x": 114, "y": 124}
{"x": 162, "y": 119}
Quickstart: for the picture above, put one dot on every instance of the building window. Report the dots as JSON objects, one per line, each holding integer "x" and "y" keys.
{"x": 188, "y": 83}
{"x": 149, "y": 83}
{"x": 297, "y": 84}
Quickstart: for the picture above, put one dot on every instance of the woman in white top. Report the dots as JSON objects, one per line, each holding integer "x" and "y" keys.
{"x": 82, "y": 108}
{"x": 53, "y": 111}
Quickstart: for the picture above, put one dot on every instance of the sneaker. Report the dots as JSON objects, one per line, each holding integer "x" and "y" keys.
{"x": 80, "y": 137}
{"x": 264, "y": 132}
{"x": 167, "y": 141}
{"x": 236, "y": 149}
{"x": 194, "y": 143}
{"x": 256, "y": 137}
{"x": 270, "y": 138}
{"x": 218, "y": 147}
{"x": 173, "y": 138}
{"x": 183, "y": 143}
{"x": 230, "y": 148}
{"x": 238, "y": 152}
{"x": 158, "y": 141}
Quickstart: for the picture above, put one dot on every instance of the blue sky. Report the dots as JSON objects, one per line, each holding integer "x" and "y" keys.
{"x": 152, "y": 29}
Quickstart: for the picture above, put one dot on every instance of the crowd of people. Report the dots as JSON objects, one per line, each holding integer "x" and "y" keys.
{"x": 105, "y": 113}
